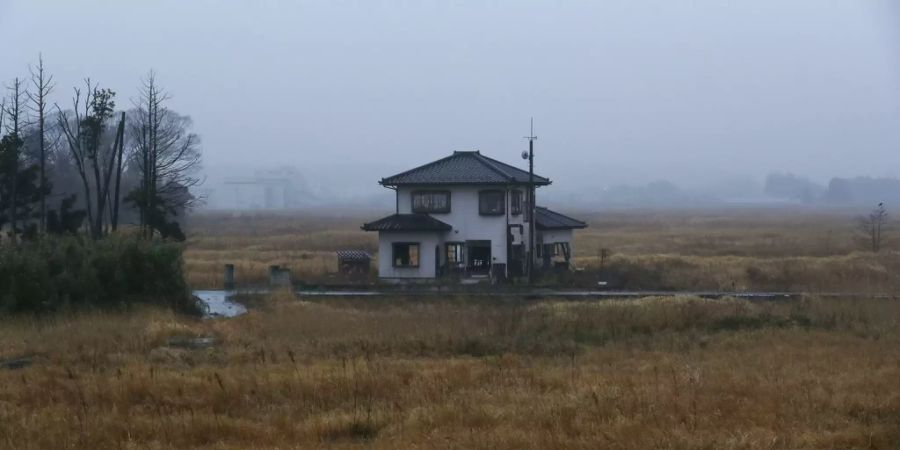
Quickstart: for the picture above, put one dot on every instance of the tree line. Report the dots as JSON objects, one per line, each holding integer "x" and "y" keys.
{"x": 86, "y": 166}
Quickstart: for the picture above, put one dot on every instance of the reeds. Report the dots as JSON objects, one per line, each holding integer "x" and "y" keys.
{"x": 456, "y": 372}
{"x": 681, "y": 250}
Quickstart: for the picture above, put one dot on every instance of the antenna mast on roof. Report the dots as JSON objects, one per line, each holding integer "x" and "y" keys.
{"x": 531, "y": 200}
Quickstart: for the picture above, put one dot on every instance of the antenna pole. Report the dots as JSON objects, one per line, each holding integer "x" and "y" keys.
{"x": 531, "y": 201}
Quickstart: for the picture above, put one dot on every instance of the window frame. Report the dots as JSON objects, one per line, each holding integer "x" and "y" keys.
{"x": 461, "y": 253}
{"x": 481, "y": 202}
{"x": 516, "y": 202}
{"x": 412, "y": 201}
{"x": 408, "y": 245}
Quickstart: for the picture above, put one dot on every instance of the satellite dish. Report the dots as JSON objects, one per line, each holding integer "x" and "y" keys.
{"x": 524, "y": 155}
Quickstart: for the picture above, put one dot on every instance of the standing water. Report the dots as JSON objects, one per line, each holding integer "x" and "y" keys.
{"x": 218, "y": 304}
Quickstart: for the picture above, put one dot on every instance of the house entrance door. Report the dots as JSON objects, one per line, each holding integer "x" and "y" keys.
{"x": 479, "y": 256}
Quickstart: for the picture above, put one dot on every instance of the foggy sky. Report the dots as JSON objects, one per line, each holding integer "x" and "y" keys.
{"x": 621, "y": 91}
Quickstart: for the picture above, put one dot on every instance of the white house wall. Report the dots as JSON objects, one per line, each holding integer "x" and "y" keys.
{"x": 467, "y": 223}
{"x": 556, "y": 236}
{"x": 427, "y": 242}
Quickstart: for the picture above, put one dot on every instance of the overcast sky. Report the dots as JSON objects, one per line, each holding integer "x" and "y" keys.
{"x": 620, "y": 90}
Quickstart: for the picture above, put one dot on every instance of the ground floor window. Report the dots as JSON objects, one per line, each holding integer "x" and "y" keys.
{"x": 406, "y": 254}
{"x": 455, "y": 255}
{"x": 552, "y": 249}
{"x": 556, "y": 249}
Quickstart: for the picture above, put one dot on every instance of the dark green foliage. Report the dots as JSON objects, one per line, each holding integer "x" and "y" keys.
{"x": 67, "y": 220}
{"x": 155, "y": 213}
{"x": 27, "y": 189}
{"x": 59, "y": 273}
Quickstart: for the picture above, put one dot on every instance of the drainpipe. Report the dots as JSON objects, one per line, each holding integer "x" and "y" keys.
{"x": 508, "y": 202}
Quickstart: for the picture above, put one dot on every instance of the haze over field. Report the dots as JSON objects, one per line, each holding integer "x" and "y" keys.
{"x": 705, "y": 95}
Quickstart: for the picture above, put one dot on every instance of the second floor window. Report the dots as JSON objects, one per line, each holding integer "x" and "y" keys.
{"x": 431, "y": 201}
{"x": 515, "y": 202}
{"x": 491, "y": 203}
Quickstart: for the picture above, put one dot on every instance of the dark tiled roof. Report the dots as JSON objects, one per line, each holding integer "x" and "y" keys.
{"x": 551, "y": 220}
{"x": 464, "y": 168}
{"x": 407, "y": 222}
{"x": 353, "y": 255}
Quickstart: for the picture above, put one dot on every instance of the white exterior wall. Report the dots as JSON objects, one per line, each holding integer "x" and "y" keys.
{"x": 554, "y": 236}
{"x": 467, "y": 223}
{"x": 427, "y": 241}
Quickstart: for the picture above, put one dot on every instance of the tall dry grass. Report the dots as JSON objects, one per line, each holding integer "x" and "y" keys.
{"x": 740, "y": 249}
{"x": 303, "y": 243}
{"x": 460, "y": 373}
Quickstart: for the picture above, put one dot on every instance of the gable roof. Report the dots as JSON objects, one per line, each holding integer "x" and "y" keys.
{"x": 407, "y": 222}
{"x": 464, "y": 168}
{"x": 552, "y": 220}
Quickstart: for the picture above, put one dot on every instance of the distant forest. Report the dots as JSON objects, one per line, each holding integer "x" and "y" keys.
{"x": 840, "y": 191}
{"x": 777, "y": 188}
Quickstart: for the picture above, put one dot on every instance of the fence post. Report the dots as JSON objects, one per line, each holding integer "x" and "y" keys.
{"x": 279, "y": 276}
{"x": 229, "y": 276}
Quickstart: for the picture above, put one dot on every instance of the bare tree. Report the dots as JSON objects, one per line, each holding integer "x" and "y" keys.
{"x": 167, "y": 156}
{"x": 872, "y": 226}
{"x": 114, "y": 169}
{"x": 43, "y": 86}
{"x": 15, "y": 110}
{"x": 93, "y": 160}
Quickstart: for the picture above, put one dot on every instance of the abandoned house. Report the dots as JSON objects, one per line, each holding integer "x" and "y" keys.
{"x": 468, "y": 215}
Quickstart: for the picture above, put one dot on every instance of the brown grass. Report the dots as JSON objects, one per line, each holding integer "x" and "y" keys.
{"x": 460, "y": 373}
{"x": 752, "y": 249}
{"x": 303, "y": 243}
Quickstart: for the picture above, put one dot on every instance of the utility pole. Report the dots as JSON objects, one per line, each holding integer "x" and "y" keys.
{"x": 530, "y": 265}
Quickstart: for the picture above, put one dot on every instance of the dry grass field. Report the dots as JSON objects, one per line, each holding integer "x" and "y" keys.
{"x": 735, "y": 249}
{"x": 305, "y": 243}
{"x": 483, "y": 372}
{"x": 457, "y": 373}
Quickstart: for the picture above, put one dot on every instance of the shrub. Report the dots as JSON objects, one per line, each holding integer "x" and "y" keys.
{"x": 69, "y": 272}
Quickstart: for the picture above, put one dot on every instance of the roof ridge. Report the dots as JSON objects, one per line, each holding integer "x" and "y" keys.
{"x": 419, "y": 167}
{"x": 463, "y": 167}
{"x": 490, "y": 163}
{"x": 551, "y": 212}
{"x": 536, "y": 176}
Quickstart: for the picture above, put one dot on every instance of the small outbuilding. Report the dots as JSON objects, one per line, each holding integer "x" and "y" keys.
{"x": 354, "y": 262}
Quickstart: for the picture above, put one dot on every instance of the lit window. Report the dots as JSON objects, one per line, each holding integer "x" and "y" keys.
{"x": 406, "y": 254}
{"x": 455, "y": 253}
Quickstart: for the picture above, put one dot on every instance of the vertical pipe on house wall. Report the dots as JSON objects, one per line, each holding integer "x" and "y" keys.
{"x": 508, "y": 206}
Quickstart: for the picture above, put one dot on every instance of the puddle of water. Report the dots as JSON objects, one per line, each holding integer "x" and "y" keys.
{"x": 218, "y": 304}
{"x": 197, "y": 343}
{"x": 16, "y": 363}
